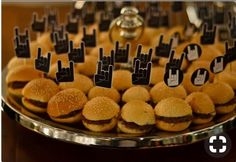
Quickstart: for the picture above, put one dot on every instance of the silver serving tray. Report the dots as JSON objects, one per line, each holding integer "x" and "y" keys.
{"x": 76, "y": 134}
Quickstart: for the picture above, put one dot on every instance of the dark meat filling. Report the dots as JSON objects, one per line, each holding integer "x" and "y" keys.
{"x": 71, "y": 114}
{"x": 136, "y": 126}
{"x": 203, "y": 116}
{"x": 231, "y": 102}
{"x": 175, "y": 119}
{"x": 17, "y": 84}
{"x": 98, "y": 122}
{"x": 38, "y": 103}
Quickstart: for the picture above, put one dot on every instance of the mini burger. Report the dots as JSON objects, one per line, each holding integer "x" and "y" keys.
{"x": 222, "y": 94}
{"x": 111, "y": 93}
{"x": 173, "y": 114}
{"x": 202, "y": 106}
{"x": 100, "y": 114}
{"x": 18, "y": 77}
{"x": 16, "y": 61}
{"x": 227, "y": 77}
{"x": 157, "y": 75}
{"x": 161, "y": 91}
{"x": 66, "y": 106}
{"x": 136, "y": 93}
{"x": 37, "y": 93}
{"x": 89, "y": 66}
{"x": 80, "y": 82}
{"x": 136, "y": 117}
{"x": 122, "y": 80}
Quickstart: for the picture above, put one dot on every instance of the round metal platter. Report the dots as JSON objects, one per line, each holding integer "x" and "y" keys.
{"x": 77, "y": 134}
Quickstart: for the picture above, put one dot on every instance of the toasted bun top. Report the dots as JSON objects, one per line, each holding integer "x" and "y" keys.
{"x": 111, "y": 93}
{"x": 89, "y": 66}
{"x": 219, "y": 92}
{"x": 40, "y": 89}
{"x": 157, "y": 74}
{"x": 161, "y": 91}
{"x": 16, "y": 61}
{"x": 122, "y": 79}
{"x": 66, "y": 101}
{"x": 138, "y": 112}
{"x": 136, "y": 93}
{"x": 81, "y": 82}
{"x": 173, "y": 107}
{"x": 227, "y": 77}
{"x": 100, "y": 108}
{"x": 23, "y": 73}
{"x": 200, "y": 103}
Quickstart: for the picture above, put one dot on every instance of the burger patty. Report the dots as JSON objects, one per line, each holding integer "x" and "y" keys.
{"x": 17, "y": 84}
{"x": 203, "y": 116}
{"x": 98, "y": 122}
{"x": 175, "y": 119}
{"x": 231, "y": 102}
{"x": 136, "y": 126}
{"x": 71, "y": 114}
{"x": 38, "y": 103}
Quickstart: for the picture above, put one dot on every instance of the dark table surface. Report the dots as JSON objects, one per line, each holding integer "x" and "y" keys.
{"x": 22, "y": 145}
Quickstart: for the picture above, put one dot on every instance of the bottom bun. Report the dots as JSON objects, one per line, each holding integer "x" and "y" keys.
{"x": 28, "y": 113}
{"x": 201, "y": 120}
{"x": 225, "y": 109}
{"x": 122, "y": 127}
{"x": 73, "y": 119}
{"x": 15, "y": 92}
{"x": 32, "y": 107}
{"x": 172, "y": 127}
{"x": 101, "y": 127}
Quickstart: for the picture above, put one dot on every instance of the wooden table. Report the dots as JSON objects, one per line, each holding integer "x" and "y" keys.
{"x": 22, "y": 145}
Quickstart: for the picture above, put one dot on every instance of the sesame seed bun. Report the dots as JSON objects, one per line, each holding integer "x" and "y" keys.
{"x": 103, "y": 37}
{"x": 89, "y": 66}
{"x": 16, "y": 61}
{"x": 209, "y": 53}
{"x": 40, "y": 90}
{"x": 136, "y": 93}
{"x": 227, "y": 77}
{"x": 111, "y": 93}
{"x": 66, "y": 102}
{"x": 100, "y": 109}
{"x": 172, "y": 108}
{"x": 122, "y": 79}
{"x": 161, "y": 91}
{"x": 24, "y": 73}
{"x": 80, "y": 82}
{"x": 138, "y": 113}
{"x": 219, "y": 92}
{"x": 201, "y": 103}
{"x": 231, "y": 66}
{"x": 157, "y": 75}
{"x": 222, "y": 95}
{"x": 45, "y": 39}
